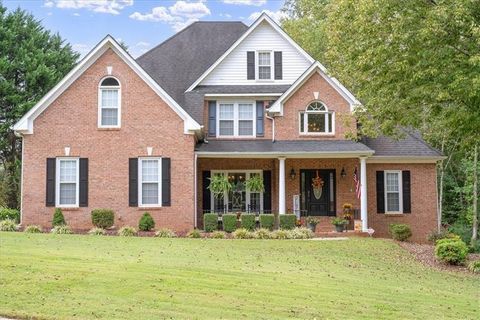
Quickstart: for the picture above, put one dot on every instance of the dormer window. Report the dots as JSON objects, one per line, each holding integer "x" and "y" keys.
{"x": 316, "y": 119}
{"x": 109, "y": 104}
{"x": 264, "y": 65}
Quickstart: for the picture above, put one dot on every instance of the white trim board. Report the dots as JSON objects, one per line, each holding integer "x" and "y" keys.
{"x": 25, "y": 124}
{"x": 260, "y": 19}
{"x": 270, "y": 155}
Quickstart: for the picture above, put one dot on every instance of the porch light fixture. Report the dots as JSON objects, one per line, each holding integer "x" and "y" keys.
{"x": 292, "y": 174}
{"x": 343, "y": 173}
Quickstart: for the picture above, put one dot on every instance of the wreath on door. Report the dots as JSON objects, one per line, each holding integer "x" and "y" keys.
{"x": 317, "y": 185}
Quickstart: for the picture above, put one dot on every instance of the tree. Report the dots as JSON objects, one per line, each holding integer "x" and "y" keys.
{"x": 32, "y": 61}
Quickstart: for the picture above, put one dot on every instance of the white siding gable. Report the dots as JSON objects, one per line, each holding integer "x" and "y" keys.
{"x": 233, "y": 69}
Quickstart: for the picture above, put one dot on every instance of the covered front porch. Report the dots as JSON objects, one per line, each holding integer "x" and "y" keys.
{"x": 306, "y": 183}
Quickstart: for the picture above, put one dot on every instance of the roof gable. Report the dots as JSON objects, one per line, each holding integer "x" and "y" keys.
{"x": 25, "y": 124}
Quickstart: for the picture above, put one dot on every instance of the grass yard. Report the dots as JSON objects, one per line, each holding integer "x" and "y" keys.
{"x": 86, "y": 277}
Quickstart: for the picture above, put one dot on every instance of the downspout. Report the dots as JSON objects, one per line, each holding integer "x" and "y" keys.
{"x": 195, "y": 190}
{"x": 273, "y": 126}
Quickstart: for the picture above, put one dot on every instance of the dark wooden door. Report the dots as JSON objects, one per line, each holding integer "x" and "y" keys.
{"x": 319, "y": 192}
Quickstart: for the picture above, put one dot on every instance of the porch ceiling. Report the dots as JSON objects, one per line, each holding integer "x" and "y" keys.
{"x": 290, "y": 148}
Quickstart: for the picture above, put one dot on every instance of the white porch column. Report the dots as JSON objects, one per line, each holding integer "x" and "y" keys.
{"x": 363, "y": 193}
{"x": 281, "y": 186}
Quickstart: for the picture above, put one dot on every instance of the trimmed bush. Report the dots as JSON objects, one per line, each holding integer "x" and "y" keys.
{"x": 267, "y": 221}
{"x": 58, "y": 218}
{"x": 262, "y": 233}
{"x": 301, "y": 233}
{"x": 103, "y": 218}
{"x": 400, "y": 232}
{"x": 229, "y": 222}
{"x": 242, "y": 233}
{"x": 61, "y": 229}
{"x": 195, "y": 234}
{"x": 146, "y": 222}
{"x": 247, "y": 221}
{"x": 210, "y": 222}
{"x": 218, "y": 235}
{"x": 165, "y": 233}
{"x": 33, "y": 229}
{"x": 8, "y": 225}
{"x": 287, "y": 221}
{"x": 451, "y": 251}
{"x": 127, "y": 232}
{"x": 280, "y": 234}
{"x": 474, "y": 266}
{"x": 97, "y": 232}
{"x": 10, "y": 214}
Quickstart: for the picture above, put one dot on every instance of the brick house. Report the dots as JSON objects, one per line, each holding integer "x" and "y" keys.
{"x": 146, "y": 134}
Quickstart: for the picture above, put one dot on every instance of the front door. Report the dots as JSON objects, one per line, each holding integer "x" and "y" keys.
{"x": 318, "y": 192}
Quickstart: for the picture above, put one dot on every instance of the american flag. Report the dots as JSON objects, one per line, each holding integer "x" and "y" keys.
{"x": 357, "y": 183}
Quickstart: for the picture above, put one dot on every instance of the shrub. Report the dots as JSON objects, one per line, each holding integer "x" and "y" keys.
{"x": 210, "y": 222}
{"x": 229, "y": 222}
{"x": 263, "y": 233}
{"x": 218, "y": 235}
{"x": 97, "y": 232}
{"x": 242, "y": 233}
{"x": 8, "y": 225}
{"x": 462, "y": 229}
{"x": 103, "y": 218}
{"x": 33, "y": 229}
{"x": 10, "y": 214}
{"x": 61, "y": 229}
{"x": 146, "y": 222}
{"x": 195, "y": 234}
{"x": 301, "y": 233}
{"x": 435, "y": 235}
{"x": 165, "y": 233}
{"x": 280, "y": 234}
{"x": 267, "y": 221}
{"x": 474, "y": 266}
{"x": 58, "y": 218}
{"x": 451, "y": 251}
{"x": 287, "y": 221}
{"x": 127, "y": 232}
{"x": 400, "y": 232}
{"x": 247, "y": 221}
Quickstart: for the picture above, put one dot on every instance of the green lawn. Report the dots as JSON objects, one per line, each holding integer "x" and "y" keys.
{"x": 86, "y": 277}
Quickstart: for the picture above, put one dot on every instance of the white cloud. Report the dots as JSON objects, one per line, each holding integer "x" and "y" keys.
{"x": 256, "y": 3}
{"x": 179, "y": 15}
{"x": 76, "y": 14}
{"x": 225, "y": 15}
{"x": 275, "y": 15}
{"x": 139, "y": 48}
{"x": 102, "y": 6}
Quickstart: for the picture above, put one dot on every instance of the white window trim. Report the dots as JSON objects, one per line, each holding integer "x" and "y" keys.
{"x": 305, "y": 122}
{"x": 257, "y": 66}
{"x": 400, "y": 191}
{"x": 100, "y": 107}
{"x": 236, "y": 119}
{"x": 247, "y": 192}
{"x": 140, "y": 182}
{"x": 57, "y": 183}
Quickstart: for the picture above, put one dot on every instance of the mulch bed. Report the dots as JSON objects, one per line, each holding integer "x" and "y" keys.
{"x": 425, "y": 253}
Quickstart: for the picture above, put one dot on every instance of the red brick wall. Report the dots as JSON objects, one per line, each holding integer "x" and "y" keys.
{"x": 147, "y": 121}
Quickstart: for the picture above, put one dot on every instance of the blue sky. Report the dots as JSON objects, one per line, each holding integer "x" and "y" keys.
{"x": 141, "y": 24}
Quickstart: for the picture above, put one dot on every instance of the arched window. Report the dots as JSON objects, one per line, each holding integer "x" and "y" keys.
{"x": 109, "y": 104}
{"x": 316, "y": 119}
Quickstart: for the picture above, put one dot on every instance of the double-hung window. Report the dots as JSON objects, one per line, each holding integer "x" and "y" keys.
{"x": 316, "y": 119}
{"x": 109, "y": 105}
{"x": 264, "y": 65}
{"x": 236, "y": 119}
{"x": 393, "y": 191}
{"x": 67, "y": 181}
{"x": 149, "y": 182}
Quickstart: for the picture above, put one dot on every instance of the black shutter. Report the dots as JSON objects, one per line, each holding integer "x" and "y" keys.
{"x": 267, "y": 194}
{"x": 206, "y": 192}
{"x": 406, "y": 190}
{"x": 212, "y": 118}
{"x": 166, "y": 182}
{"x": 278, "y": 65}
{"x": 50, "y": 192}
{"x": 133, "y": 182}
{"x": 250, "y": 65}
{"x": 380, "y": 192}
{"x": 83, "y": 181}
{"x": 260, "y": 119}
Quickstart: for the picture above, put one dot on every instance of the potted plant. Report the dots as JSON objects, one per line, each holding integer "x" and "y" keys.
{"x": 339, "y": 224}
{"x": 312, "y": 223}
{"x": 255, "y": 183}
{"x": 219, "y": 185}
{"x": 348, "y": 215}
